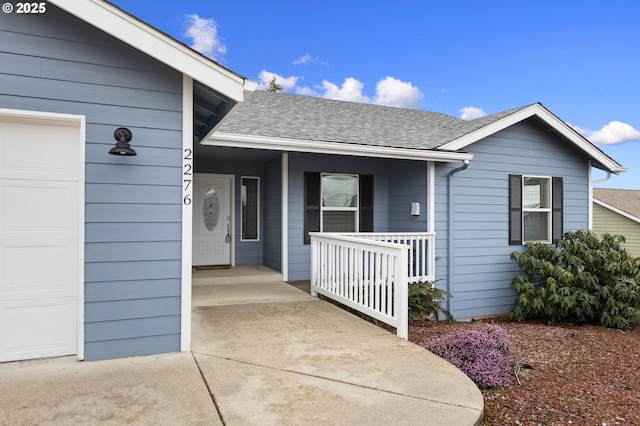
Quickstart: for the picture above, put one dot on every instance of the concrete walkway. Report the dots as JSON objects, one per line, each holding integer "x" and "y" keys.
{"x": 264, "y": 353}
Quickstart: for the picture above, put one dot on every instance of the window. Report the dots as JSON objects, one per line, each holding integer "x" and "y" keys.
{"x": 535, "y": 209}
{"x": 250, "y": 210}
{"x": 337, "y": 203}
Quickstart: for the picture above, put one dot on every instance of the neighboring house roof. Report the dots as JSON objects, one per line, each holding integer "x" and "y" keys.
{"x": 276, "y": 120}
{"x": 129, "y": 29}
{"x": 622, "y": 201}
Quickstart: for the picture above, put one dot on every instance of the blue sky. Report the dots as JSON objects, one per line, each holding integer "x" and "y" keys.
{"x": 465, "y": 58}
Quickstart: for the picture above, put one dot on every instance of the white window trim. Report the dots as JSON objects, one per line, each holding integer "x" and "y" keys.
{"x": 257, "y": 239}
{"x": 547, "y": 210}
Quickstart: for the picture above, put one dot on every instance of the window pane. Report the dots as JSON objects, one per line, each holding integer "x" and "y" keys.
{"x": 536, "y": 226}
{"x": 536, "y": 193}
{"x": 339, "y": 191}
{"x": 210, "y": 209}
{"x": 249, "y": 201}
{"x": 338, "y": 221}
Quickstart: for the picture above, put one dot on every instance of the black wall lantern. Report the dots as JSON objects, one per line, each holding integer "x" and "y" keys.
{"x": 123, "y": 136}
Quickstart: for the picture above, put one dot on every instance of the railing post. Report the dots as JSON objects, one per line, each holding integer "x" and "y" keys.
{"x": 402, "y": 294}
{"x": 315, "y": 265}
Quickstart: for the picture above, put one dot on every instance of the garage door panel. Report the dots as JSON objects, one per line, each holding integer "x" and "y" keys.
{"x": 37, "y": 209}
{"x": 38, "y": 269}
{"x": 45, "y": 155}
{"x": 41, "y": 233}
{"x": 47, "y": 328}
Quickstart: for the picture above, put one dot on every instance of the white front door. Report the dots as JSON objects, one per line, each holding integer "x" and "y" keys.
{"x": 41, "y": 223}
{"x": 212, "y": 227}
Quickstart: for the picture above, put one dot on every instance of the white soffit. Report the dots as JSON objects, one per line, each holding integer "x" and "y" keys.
{"x": 160, "y": 46}
{"x": 553, "y": 121}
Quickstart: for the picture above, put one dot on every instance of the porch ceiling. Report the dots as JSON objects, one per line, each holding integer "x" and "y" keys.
{"x": 221, "y": 153}
{"x": 209, "y": 107}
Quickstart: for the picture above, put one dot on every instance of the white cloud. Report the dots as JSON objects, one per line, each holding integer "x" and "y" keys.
{"x": 583, "y": 132}
{"x": 287, "y": 83}
{"x": 471, "y": 113}
{"x": 612, "y": 133}
{"x": 389, "y": 91}
{"x": 306, "y": 91}
{"x": 351, "y": 90}
{"x": 204, "y": 36}
{"x": 306, "y": 58}
{"x": 393, "y": 92}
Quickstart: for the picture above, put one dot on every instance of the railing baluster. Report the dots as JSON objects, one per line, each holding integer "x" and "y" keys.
{"x": 370, "y": 271}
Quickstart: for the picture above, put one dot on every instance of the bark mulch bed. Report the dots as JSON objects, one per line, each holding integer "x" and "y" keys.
{"x": 575, "y": 375}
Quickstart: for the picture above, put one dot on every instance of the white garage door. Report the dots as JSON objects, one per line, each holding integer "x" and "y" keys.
{"x": 41, "y": 234}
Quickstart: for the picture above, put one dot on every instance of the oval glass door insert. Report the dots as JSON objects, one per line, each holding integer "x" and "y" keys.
{"x": 210, "y": 209}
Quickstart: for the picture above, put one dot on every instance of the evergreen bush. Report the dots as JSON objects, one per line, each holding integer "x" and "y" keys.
{"x": 580, "y": 277}
{"x": 425, "y": 302}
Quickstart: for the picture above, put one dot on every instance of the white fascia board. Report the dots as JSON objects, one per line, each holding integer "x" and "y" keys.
{"x": 616, "y": 210}
{"x": 322, "y": 147}
{"x": 154, "y": 43}
{"x": 557, "y": 124}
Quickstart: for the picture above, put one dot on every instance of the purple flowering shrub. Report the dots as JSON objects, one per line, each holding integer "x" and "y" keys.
{"x": 484, "y": 354}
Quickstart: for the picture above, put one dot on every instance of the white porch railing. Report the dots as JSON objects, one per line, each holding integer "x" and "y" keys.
{"x": 422, "y": 256}
{"x": 370, "y": 272}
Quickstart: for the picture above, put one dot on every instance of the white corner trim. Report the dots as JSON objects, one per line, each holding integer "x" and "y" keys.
{"x": 155, "y": 43}
{"x": 538, "y": 110}
{"x": 285, "y": 216}
{"x": 616, "y": 210}
{"x": 431, "y": 196}
{"x": 187, "y": 213}
{"x": 283, "y": 144}
{"x": 81, "y": 237}
{"x": 590, "y": 207}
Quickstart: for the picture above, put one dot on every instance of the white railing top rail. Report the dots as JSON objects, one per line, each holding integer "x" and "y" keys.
{"x": 352, "y": 238}
{"x": 365, "y": 234}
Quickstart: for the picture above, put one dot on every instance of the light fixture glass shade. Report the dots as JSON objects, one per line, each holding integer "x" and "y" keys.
{"x": 123, "y": 137}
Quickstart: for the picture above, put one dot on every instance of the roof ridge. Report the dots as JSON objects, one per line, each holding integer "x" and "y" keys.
{"x": 358, "y": 104}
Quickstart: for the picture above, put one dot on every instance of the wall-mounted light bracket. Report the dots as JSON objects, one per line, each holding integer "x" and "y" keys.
{"x": 415, "y": 209}
{"x": 123, "y": 137}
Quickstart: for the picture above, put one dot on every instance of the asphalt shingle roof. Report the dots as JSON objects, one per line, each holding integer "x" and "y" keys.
{"x": 280, "y": 115}
{"x": 627, "y": 200}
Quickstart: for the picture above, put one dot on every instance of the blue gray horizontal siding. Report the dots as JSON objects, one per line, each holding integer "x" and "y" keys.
{"x": 272, "y": 214}
{"x": 396, "y": 184}
{"x": 57, "y": 63}
{"x": 482, "y": 270}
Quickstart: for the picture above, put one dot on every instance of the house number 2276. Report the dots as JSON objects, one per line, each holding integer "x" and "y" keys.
{"x": 187, "y": 176}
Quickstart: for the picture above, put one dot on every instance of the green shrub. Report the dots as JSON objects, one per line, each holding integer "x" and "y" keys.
{"x": 425, "y": 302}
{"x": 580, "y": 277}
